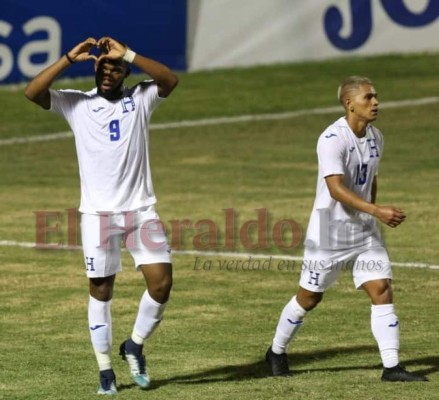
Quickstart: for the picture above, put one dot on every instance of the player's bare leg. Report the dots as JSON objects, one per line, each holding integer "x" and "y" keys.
{"x": 102, "y": 288}
{"x": 307, "y": 299}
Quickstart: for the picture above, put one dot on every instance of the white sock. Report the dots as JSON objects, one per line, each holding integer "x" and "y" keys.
{"x": 290, "y": 321}
{"x": 99, "y": 320}
{"x": 385, "y": 329}
{"x": 149, "y": 315}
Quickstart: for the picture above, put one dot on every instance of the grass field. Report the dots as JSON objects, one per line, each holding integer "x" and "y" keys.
{"x": 219, "y": 323}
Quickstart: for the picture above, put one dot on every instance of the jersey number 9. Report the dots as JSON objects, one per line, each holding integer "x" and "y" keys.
{"x": 114, "y": 130}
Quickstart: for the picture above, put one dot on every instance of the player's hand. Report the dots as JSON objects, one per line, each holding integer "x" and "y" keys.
{"x": 81, "y": 52}
{"x": 111, "y": 49}
{"x": 390, "y": 215}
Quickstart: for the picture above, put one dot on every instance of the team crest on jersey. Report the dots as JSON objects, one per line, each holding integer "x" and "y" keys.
{"x": 128, "y": 104}
{"x": 373, "y": 148}
{"x": 89, "y": 263}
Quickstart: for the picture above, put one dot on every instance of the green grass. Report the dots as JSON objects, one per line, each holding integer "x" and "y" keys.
{"x": 212, "y": 341}
{"x": 219, "y": 323}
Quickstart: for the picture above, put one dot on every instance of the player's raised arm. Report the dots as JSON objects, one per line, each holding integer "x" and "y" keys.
{"x": 37, "y": 89}
{"x": 166, "y": 80}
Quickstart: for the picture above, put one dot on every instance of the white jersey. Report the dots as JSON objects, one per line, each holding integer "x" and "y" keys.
{"x": 333, "y": 225}
{"x": 112, "y": 146}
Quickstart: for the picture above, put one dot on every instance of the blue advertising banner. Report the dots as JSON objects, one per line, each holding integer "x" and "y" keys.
{"x": 35, "y": 34}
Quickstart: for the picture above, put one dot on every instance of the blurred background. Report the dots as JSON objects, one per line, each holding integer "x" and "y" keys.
{"x": 191, "y": 35}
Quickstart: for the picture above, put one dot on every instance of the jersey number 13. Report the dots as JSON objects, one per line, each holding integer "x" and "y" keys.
{"x": 361, "y": 174}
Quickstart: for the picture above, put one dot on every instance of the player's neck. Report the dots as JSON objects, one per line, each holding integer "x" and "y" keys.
{"x": 358, "y": 126}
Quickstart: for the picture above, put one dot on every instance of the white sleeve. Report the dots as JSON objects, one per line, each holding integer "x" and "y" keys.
{"x": 150, "y": 94}
{"x": 331, "y": 153}
{"x": 61, "y": 102}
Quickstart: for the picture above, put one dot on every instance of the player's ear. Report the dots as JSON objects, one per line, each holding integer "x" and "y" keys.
{"x": 127, "y": 68}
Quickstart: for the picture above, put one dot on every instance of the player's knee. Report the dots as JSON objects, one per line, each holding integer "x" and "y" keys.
{"x": 384, "y": 296}
{"x": 380, "y": 292}
{"x": 313, "y": 302}
{"x": 309, "y": 300}
{"x": 101, "y": 289}
{"x": 161, "y": 290}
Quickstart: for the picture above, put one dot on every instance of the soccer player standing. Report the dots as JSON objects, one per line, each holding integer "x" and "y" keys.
{"x": 110, "y": 126}
{"x": 342, "y": 231}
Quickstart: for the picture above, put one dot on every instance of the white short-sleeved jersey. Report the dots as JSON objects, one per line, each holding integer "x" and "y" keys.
{"x": 333, "y": 225}
{"x": 112, "y": 146}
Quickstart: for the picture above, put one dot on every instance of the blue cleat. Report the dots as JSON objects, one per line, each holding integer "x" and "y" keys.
{"x": 132, "y": 353}
{"x": 108, "y": 382}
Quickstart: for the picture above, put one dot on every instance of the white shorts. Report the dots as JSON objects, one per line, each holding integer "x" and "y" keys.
{"x": 141, "y": 231}
{"x": 320, "y": 268}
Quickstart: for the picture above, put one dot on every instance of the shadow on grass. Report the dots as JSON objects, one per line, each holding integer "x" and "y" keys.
{"x": 259, "y": 369}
